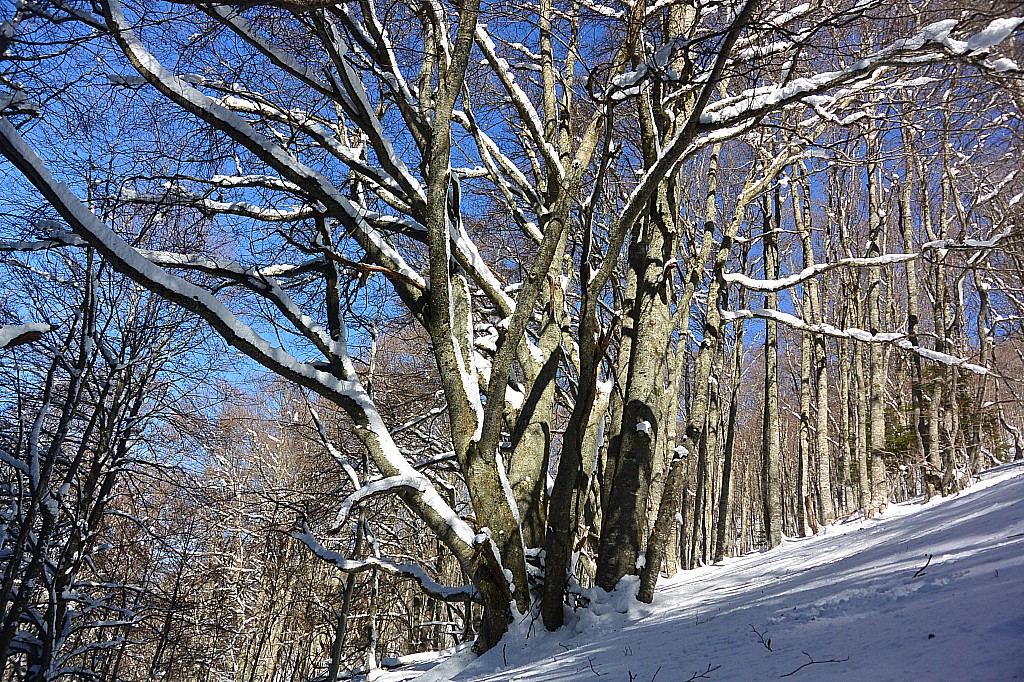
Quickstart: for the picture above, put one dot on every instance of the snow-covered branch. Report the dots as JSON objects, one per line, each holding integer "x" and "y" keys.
{"x": 852, "y": 333}
{"x": 409, "y": 571}
{"x": 941, "y": 246}
{"x": 374, "y": 488}
{"x": 350, "y": 393}
{"x": 18, "y": 334}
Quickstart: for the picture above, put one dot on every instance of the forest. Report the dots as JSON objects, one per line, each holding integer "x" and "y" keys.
{"x": 333, "y": 332}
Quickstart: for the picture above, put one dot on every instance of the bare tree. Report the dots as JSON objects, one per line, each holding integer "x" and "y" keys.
{"x": 547, "y": 234}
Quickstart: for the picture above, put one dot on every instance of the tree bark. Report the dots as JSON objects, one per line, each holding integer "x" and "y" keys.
{"x": 918, "y": 418}
{"x": 771, "y": 455}
{"x": 879, "y": 499}
{"x": 726, "y": 536}
{"x": 813, "y": 307}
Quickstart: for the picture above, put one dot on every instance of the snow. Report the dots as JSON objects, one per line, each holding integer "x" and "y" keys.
{"x": 861, "y": 335}
{"x": 470, "y": 258}
{"x": 1004, "y": 64}
{"x": 993, "y": 34}
{"x": 15, "y": 334}
{"x": 383, "y": 485}
{"x": 506, "y": 487}
{"x": 520, "y": 99}
{"x": 752, "y": 101}
{"x": 602, "y": 10}
{"x": 857, "y": 599}
{"x": 400, "y": 265}
{"x": 813, "y": 271}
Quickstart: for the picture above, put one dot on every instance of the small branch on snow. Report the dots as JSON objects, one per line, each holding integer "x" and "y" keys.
{"x": 706, "y": 675}
{"x": 920, "y": 571}
{"x": 767, "y": 643}
{"x": 811, "y": 661}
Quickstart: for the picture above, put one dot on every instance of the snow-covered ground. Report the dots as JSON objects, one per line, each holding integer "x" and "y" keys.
{"x": 857, "y": 600}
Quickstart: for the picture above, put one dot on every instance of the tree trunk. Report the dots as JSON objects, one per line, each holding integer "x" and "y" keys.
{"x": 771, "y": 455}
{"x": 876, "y": 361}
{"x": 633, "y": 451}
{"x": 918, "y": 418}
{"x": 813, "y": 307}
{"x": 976, "y": 453}
{"x": 861, "y": 409}
{"x": 803, "y": 466}
{"x": 725, "y": 537}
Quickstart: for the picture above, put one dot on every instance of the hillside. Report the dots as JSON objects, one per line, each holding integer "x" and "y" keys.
{"x": 858, "y": 600}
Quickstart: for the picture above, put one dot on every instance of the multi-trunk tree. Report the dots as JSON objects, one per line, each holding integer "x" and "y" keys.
{"x": 538, "y": 193}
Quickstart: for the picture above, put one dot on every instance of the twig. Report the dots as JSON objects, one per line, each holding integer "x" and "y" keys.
{"x": 590, "y": 660}
{"x": 503, "y": 656}
{"x": 655, "y": 676}
{"x": 920, "y": 571}
{"x": 698, "y": 675}
{"x": 811, "y": 661}
{"x": 533, "y": 622}
{"x": 766, "y": 642}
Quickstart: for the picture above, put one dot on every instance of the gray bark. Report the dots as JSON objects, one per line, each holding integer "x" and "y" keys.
{"x": 918, "y": 418}
{"x": 879, "y": 497}
{"x": 725, "y": 534}
{"x": 813, "y": 307}
{"x": 771, "y": 454}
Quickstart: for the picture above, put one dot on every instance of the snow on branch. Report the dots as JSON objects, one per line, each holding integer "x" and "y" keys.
{"x": 354, "y": 96}
{"x": 274, "y": 155}
{"x": 853, "y": 333}
{"x": 374, "y": 488}
{"x": 406, "y": 570}
{"x": 334, "y": 452}
{"x": 55, "y": 238}
{"x": 756, "y": 102}
{"x": 349, "y": 394}
{"x": 941, "y": 246}
{"x": 505, "y": 175}
{"x": 268, "y": 181}
{"x": 520, "y": 100}
{"x": 771, "y": 285}
{"x": 237, "y": 23}
{"x": 468, "y": 256}
{"x": 490, "y": 152}
{"x": 398, "y": 263}
{"x": 357, "y": 102}
{"x": 179, "y": 197}
{"x": 58, "y": 237}
{"x": 327, "y": 139}
{"x": 390, "y": 72}
{"x": 19, "y": 334}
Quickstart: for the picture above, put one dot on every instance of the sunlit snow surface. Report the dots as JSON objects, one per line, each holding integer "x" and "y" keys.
{"x": 848, "y": 594}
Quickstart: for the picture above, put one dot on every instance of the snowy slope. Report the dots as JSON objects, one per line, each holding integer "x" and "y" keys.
{"x": 854, "y": 595}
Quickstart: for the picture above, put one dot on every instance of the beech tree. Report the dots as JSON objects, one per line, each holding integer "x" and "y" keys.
{"x": 537, "y": 193}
